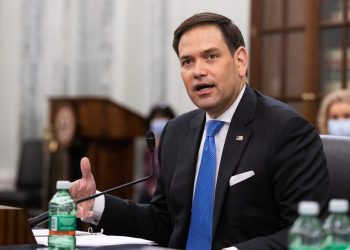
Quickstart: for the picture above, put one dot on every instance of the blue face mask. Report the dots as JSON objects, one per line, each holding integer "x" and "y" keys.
{"x": 157, "y": 125}
{"x": 339, "y": 127}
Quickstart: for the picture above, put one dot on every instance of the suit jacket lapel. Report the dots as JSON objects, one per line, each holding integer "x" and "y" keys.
{"x": 183, "y": 179}
{"x": 234, "y": 148}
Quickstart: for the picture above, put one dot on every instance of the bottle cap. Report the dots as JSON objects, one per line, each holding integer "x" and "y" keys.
{"x": 308, "y": 208}
{"x": 62, "y": 184}
{"x": 338, "y": 205}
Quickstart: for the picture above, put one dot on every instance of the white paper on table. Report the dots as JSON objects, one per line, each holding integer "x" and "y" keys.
{"x": 87, "y": 239}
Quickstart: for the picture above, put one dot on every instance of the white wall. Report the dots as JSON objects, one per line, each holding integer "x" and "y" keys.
{"x": 129, "y": 84}
{"x": 9, "y": 88}
{"x": 130, "y": 69}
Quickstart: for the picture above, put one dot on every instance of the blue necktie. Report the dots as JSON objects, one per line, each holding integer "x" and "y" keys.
{"x": 200, "y": 233}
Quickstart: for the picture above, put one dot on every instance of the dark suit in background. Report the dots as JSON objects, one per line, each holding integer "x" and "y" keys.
{"x": 282, "y": 148}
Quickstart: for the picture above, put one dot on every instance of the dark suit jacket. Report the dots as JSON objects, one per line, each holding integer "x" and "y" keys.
{"x": 280, "y": 146}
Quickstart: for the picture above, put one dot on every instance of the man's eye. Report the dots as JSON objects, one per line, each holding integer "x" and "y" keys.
{"x": 186, "y": 62}
{"x": 212, "y": 56}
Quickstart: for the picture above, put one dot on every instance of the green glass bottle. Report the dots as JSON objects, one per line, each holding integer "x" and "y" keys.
{"x": 337, "y": 226}
{"x": 62, "y": 219}
{"x": 306, "y": 232}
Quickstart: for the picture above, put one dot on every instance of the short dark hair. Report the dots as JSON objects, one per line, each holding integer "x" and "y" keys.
{"x": 162, "y": 110}
{"x": 231, "y": 33}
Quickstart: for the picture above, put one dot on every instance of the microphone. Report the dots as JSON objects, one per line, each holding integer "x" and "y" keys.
{"x": 150, "y": 140}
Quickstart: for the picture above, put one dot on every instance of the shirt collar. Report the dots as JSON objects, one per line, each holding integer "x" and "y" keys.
{"x": 228, "y": 114}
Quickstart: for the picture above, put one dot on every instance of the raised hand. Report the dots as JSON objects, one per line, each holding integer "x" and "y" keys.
{"x": 84, "y": 187}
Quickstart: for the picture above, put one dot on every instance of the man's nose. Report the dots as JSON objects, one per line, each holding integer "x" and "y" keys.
{"x": 199, "y": 69}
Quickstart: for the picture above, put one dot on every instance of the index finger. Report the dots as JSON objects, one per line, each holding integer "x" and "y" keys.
{"x": 85, "y": 169}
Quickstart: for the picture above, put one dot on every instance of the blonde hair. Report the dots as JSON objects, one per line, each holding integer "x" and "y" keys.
{"x": 340, "y": 95}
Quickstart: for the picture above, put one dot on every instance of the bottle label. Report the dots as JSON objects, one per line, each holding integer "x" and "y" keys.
{"x": 304, "y": 248}
{"x": 62, "y": 223}
{"x": 337, "y": 246}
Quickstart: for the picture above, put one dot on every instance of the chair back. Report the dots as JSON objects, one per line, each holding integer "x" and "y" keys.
{"x": 30, "y": 165}
{"x": 337, "y": 150}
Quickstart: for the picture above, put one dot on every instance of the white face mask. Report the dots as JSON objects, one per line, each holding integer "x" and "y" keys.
{"x": 157, "y": 125}
{"x": 339, "y": 127}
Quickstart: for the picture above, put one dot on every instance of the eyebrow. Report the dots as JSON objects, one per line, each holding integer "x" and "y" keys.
{"x": 210, "y": 50}
{"x": 185, "y": 58}
{"x": 205, "y": 52}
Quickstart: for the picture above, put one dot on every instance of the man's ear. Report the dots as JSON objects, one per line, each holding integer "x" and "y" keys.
{"x": 241, "y": 58}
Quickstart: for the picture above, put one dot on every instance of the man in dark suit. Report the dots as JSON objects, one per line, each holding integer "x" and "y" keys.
{"x": 268, "y": 158}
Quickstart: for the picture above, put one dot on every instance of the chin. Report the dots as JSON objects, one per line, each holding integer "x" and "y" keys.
{"x": 208, "y": 108}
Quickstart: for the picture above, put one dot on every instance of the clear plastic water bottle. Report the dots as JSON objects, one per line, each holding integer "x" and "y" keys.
{"x": 62, "y": 218}
{"x": 337, "y": 226}
{"x": 306, "y": 232}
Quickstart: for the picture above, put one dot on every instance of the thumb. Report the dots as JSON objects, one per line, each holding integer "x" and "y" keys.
{"x": 85, "y": 169}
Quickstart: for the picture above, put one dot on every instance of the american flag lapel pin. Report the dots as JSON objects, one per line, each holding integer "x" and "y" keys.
{"x": 239, "y": 138}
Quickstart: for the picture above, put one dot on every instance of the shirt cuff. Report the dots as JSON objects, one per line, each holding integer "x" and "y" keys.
{"x": 98, "y": 208}
{"x": 230, "y": 248}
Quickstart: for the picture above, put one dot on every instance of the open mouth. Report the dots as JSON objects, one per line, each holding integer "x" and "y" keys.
{"x": 203, "y": 86}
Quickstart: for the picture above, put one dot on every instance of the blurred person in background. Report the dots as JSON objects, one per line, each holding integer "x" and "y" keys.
{"x": 334, "y": 114}
{"x": 159, "y": 116}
